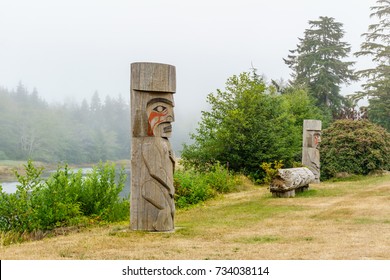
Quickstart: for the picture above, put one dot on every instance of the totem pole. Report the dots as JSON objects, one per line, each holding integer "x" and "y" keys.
{"x": 310, "y": 147}
{"x": 152, "y": 206}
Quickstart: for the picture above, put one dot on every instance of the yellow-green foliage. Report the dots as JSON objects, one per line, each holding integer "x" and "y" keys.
{"x": 271, "y": 169}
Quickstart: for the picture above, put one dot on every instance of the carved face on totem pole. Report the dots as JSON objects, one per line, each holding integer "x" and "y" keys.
{"x": 313, "y": 139}
{"x": 160, "y": 116}
{"x": 310, "y": 147}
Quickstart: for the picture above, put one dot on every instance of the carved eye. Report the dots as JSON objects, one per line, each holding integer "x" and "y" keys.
{"x": 159, "y": 108}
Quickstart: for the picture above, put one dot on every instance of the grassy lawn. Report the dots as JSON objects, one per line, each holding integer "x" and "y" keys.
{"x": 333, "y": 220}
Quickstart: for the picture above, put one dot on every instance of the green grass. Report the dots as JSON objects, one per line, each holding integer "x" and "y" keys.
{"x": 230, "y": 216}
{"x": 347, "y": 178}
{"x": 247, "y": 225}
{"x": 365, "y": 221}
{"x": 343, "y": 187}
{"x": 252, "y": 210}
{"x": 370, "y": 221}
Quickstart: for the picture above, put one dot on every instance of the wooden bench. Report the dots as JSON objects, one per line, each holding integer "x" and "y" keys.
{"x": 291, "y": 180}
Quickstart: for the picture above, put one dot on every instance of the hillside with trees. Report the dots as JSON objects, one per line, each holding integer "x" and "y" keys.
{"x": 73, "y": 133}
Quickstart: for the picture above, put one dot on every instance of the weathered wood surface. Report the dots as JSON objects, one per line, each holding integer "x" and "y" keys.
{"x": 153, "y": 77}
{"x": 291, "y": 180}
{"x": 310, "y": 146}
{"x": 152, "y": 160}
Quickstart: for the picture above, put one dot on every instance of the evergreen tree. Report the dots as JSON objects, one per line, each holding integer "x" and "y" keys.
{"x": 21, "y": 93}
{"x": 317, "y": 62}
{"x": 377, "y": 46}
{"x": 249, "y": 123}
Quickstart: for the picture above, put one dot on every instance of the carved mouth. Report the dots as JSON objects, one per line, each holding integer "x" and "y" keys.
{"x": 168, "y": 129}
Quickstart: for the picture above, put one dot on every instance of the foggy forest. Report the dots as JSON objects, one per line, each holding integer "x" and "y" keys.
{"x": 98, "y": 129}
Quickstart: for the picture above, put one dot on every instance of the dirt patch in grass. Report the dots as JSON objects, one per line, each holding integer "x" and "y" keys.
{"x": 337, "y": 220}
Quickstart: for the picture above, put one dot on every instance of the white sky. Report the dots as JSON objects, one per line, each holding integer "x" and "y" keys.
{"x": 68, "y": 49}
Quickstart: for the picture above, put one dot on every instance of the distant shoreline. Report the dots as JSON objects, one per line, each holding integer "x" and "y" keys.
{"x": 8, "y": 167}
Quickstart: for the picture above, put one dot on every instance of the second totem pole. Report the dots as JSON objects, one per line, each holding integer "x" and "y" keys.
{"x": 310, "y": 147}
{"x": 152, "y": 206}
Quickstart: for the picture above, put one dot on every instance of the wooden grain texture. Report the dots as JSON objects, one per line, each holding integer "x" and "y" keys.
{"x": 152, "y": 190}
{"x": 152, "y": 206}
{"x": 153, "y": 77}
{"x": 311, "y": 146}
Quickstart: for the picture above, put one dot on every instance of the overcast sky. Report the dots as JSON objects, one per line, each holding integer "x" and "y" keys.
{"x": 68, "y": 49}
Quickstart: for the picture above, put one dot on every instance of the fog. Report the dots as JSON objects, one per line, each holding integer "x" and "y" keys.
{"x": 67, "y": 50}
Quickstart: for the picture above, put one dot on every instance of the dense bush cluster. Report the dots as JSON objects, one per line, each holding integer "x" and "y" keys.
{"x": 354, "y": 147}
{"x": 192, "y": 187}
{"x": 64, "y": 199}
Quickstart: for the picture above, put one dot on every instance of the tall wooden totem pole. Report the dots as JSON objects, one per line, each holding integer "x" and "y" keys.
{"x": 152, "y": 160}
{"x": 310, "y": 147}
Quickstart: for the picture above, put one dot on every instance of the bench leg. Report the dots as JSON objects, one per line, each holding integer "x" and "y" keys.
{"x": 290, "y": 193}
{"x": 302, "y": 189}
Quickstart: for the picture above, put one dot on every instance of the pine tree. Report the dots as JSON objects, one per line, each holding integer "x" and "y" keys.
{"x": 377, "y": 46}
{"x": 317, "y": 62}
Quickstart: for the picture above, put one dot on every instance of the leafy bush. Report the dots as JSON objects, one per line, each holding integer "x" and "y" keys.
{"x": 18, "y": 211}
{"x": 220, "y": 179}
{"x": 354, "y": 147}
{"x": 192, "y": 187}
{"x": 271, "y": 169}
{"x": 63, "y": 199}
{"x": 55, "y": 200}
{"x": 99, "y": 191}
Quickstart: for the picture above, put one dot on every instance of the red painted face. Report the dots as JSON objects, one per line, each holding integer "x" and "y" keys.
{"x": 160, "y": 116}
{"x": 317, "y": 138}
{"x": 156, "y": 117}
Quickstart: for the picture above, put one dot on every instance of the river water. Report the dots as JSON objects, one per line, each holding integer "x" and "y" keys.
{"x": 10, "y": 187}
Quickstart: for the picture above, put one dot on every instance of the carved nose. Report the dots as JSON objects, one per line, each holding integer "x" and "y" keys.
{"x": 170, "y": 118}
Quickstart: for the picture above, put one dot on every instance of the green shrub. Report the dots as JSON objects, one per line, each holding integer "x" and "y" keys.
{"x": 271, "y": 169}
{"x": 55, "y": 202}
{"x": 192, "y": 187}
{"x": 220, "y": 179}
{"x": 354, "y": 147}
{"x": 18, "y": 211}
{"x": 63, "y": 199}
{"x": 100, "y": 192}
